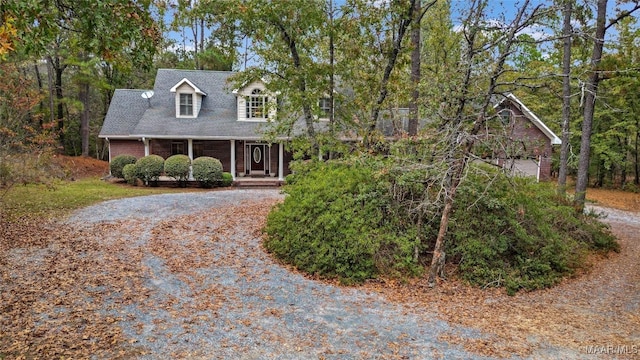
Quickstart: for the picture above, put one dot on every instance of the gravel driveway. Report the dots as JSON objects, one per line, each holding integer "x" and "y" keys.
{"x": 202, "y": 286}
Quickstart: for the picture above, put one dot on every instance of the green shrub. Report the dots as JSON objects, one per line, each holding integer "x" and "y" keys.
{"x": 207, "y": 170}
{"x": 227, "y": 179}
{"x": 177, "y": 167}
{"x": 517, "y": 233}
{"x": 335, "y": 223}
{"x": 118, "y": 163}
{"x": 359, "y": 218}
{"x": 129, "y": 173}
{"x": 149, "y": 168}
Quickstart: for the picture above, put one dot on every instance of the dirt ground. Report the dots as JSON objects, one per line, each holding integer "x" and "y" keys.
{"x": 595, "y": 310}
{"x": 80, "y": 167}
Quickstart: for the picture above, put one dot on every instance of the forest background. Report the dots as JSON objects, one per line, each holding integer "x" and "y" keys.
{"x": 62, "y": 60}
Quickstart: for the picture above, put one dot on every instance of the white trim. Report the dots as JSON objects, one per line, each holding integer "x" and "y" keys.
{"x": 280, "y": 161}
{"x": 194, "y": 113}
{"x": 190, "y": 154}
{"x": 555, "y": 140}
{"x": 185, "y": 80}
{"x": 145, "y": 141}
{"x": 232, "y": 167}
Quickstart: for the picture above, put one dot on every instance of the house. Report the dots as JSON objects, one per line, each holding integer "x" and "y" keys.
{"x": 196, "y": 113}
{"x": 530, "y": 141}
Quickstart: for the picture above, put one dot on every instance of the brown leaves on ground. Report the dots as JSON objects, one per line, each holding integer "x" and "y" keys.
{"x": 597, "y": 308}
{"x": 54, "y": 281}
{"x": 64, "y": 290}
{"x": 615, "y": 198}
{"x": 79, "y": 167}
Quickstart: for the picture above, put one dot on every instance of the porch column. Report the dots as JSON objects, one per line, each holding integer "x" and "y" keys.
{"x": 145, "y": 141}
{"x": 539, "y": 167}
{"x": 190, "y": 153}
{"x": 232, "y": 166}
{"x": 280, "y": 161}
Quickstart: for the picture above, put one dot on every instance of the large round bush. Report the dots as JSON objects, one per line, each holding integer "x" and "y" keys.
{"x": 177, "y": 167}
{"x": 361, "y": 218}
{"x": 149, "y": 168}
{"x": 517, "y": 233}
{"x": 207, "y": 170}
{"x": 129, "y": 173}
{"x": 335, "y": 223}
{"x": 118, "y": 163}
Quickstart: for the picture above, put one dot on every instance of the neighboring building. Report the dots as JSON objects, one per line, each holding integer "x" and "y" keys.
{"x": 195, "y": 113}
{"x": 529, "y": 141}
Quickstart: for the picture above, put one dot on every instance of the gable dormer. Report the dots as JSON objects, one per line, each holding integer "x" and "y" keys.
{"x": 188, "y": 99}
{"x": 255, "y": 103}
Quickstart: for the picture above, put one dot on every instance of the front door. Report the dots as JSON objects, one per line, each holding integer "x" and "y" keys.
{"x": 258, "y": 159}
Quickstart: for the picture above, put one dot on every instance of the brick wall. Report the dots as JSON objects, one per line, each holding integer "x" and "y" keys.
{"x": 219, "y": 149}
{"x": 126, "y": 147}
{"x": 530, "y": 142}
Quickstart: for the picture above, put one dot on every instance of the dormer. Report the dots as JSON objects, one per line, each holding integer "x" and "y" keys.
{"x": 188, "y": 99}
{"x": 255, "y": 103}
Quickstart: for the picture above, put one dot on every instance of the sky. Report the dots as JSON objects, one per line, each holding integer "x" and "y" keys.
{"x": 499, "y": 11}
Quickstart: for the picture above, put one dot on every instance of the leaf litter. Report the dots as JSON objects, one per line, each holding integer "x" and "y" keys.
{"x": 194, "y": 281}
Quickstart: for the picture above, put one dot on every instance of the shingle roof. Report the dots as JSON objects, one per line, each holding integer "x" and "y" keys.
{"x": 130, "y": 115}
{"x": 126, "y": 108}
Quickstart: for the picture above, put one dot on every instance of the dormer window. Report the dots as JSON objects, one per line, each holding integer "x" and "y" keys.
{"x": 255, "y": 102}
{"x": 256, "y": 105}
{"x": 186, "y": 104}
{"x": 188, "y": 99}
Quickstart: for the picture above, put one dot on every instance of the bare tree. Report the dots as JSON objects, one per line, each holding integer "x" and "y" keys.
{"x": 566, "y": 95}
{"x": 591, "y": 89}
{"x": 467, "y": 105}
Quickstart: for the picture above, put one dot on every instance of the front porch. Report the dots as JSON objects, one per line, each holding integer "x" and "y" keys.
{"x": 240, "y": 182}
{"x": 243, "y": 159}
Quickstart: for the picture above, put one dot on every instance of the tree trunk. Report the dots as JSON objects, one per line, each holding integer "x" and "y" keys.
{"x": 391, "y": 63}
{"x": 636, "y": 155}
{"x": 591, "y": 89}
{"x": 302, "y": 85}
{"x": 566, "y": 97}
{"x": 51, "y": 90}
{"x": 458, "y": 163}
{"x": 58, "y": 69}
{"x": 83, "y": 96}
{"x": 41, "y": 105}
{"x": 415, "y": 71}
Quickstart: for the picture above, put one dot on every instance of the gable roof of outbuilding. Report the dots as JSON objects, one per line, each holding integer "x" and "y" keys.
{"x": 555, "y": 140}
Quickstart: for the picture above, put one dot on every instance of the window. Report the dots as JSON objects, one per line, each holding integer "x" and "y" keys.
{"x": 177, "y": 147}
{"x": 505, "y": 116}
{"x": 186, "y": 104}
{"x": 325, "y": 107}
{"x": 256, "y": 105}
{"x": 198, "y": 149}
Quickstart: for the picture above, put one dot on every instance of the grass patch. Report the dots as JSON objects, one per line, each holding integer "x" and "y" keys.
{"x": 62, "y": 197}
